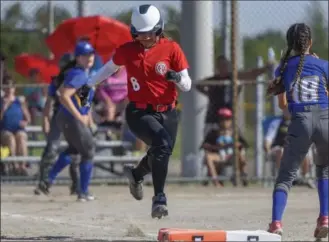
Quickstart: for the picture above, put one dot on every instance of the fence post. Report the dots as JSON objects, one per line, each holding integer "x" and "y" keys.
{"x": 81, "y": 8}
{"x": 259, "y": 122}
{"x": 196, "y": 21}
{"x": 51, "y": 23}
{"x": 225, "y": 29}
{"x": 234, "y": 60}
{"x": 275, "y": 105}
{"x": 50, "y": 9}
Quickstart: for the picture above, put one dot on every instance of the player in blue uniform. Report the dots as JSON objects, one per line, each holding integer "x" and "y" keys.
{"x": 52, "y": 131}
{"x": 74, "y": 120}
{"x": 301, "y": 84}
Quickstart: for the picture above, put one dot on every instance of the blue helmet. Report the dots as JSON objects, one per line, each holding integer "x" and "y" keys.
{"x": 83, "y": 48}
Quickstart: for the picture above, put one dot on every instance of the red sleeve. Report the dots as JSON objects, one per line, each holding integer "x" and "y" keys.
{"x": 178, "y": 59}
{"x": 119, "y": 57}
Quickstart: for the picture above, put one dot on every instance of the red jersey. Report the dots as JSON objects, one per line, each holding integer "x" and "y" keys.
{"x": 146, "y": 70}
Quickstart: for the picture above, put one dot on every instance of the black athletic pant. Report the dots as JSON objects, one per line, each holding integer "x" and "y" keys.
{"x": 158, "y": 130}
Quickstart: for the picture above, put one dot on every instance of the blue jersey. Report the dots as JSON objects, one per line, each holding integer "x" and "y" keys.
{"x": 311, "y": 89}
{"x": 77, "y": 78}
{"x": 52, "y": 89}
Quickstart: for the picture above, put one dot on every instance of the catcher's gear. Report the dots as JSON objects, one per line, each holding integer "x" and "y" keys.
{"x": 275, "y": 87}
{"x": 173, "y": 76}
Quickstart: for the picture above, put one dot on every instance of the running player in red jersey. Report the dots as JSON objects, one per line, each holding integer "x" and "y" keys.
{"x": 155, "y": 66}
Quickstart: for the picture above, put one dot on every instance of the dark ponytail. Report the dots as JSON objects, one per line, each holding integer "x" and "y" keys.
{"x": 63, "y": 70}
{"x": 299, "y": 72}
{"x": 299, "y": 37}
{"x": 283, "y": 65}
{"x": 301, "y": 43}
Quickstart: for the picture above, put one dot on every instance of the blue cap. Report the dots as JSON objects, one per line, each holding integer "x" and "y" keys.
{"x": 83, "y": 48}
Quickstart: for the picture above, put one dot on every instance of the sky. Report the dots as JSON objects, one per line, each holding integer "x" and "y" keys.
{"x": 254, "y": 16}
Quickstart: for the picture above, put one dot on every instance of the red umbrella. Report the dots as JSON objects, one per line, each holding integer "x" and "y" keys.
{"x": 24, "y": 63}
{"x": 105, "y": 35}
{"x": 62, "y": 39}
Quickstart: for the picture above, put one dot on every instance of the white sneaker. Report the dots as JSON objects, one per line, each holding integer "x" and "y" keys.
{"x": 85, "y": 197}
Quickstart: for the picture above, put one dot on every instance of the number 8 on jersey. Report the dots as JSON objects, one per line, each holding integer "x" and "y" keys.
{"x": 135, "y": 84}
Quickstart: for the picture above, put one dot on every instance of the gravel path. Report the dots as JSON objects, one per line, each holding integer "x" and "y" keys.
{"x": 115, "y": 215}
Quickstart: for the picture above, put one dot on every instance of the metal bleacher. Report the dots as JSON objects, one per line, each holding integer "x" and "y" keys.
{"x": 106, "y": 158}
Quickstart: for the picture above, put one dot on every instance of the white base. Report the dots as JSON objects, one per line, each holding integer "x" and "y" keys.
{"x": 247, "y": 235}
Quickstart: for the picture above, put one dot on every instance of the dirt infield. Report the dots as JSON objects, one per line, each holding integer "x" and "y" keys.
{"x": 115, "y": 215}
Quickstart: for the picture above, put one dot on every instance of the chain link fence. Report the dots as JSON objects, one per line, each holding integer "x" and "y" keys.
{"x": 261, "y": 27}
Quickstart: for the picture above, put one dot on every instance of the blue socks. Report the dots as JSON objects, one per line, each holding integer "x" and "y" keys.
{"x": 62, "y": 161}
{"x": 323, "y": 189}
{"x": 85, "y": 176}
{"x": 85, "y": 171}
{"x": 280, "y": 200}
{"x": 279, "y": 204}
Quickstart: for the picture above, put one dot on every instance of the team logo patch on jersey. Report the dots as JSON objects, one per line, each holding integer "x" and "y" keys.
{"x": 161, "y": 68}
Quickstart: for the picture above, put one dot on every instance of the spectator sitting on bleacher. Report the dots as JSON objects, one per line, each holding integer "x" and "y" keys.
{"x": 14, "y": 117}
{"x": 112, "y": 95}
{"x": 218, "y": 146}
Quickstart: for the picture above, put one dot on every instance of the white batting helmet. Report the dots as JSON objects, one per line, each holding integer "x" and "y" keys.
{"x": 146, "y": 18}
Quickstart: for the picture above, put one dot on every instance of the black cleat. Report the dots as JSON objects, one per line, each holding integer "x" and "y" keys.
{"x": 136, "y": 188}
{"x": 37, "y": 191}
{"x": 43, "y": 187}
{"x": 74, "y": 189}
{"x": 159, "y": 206}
